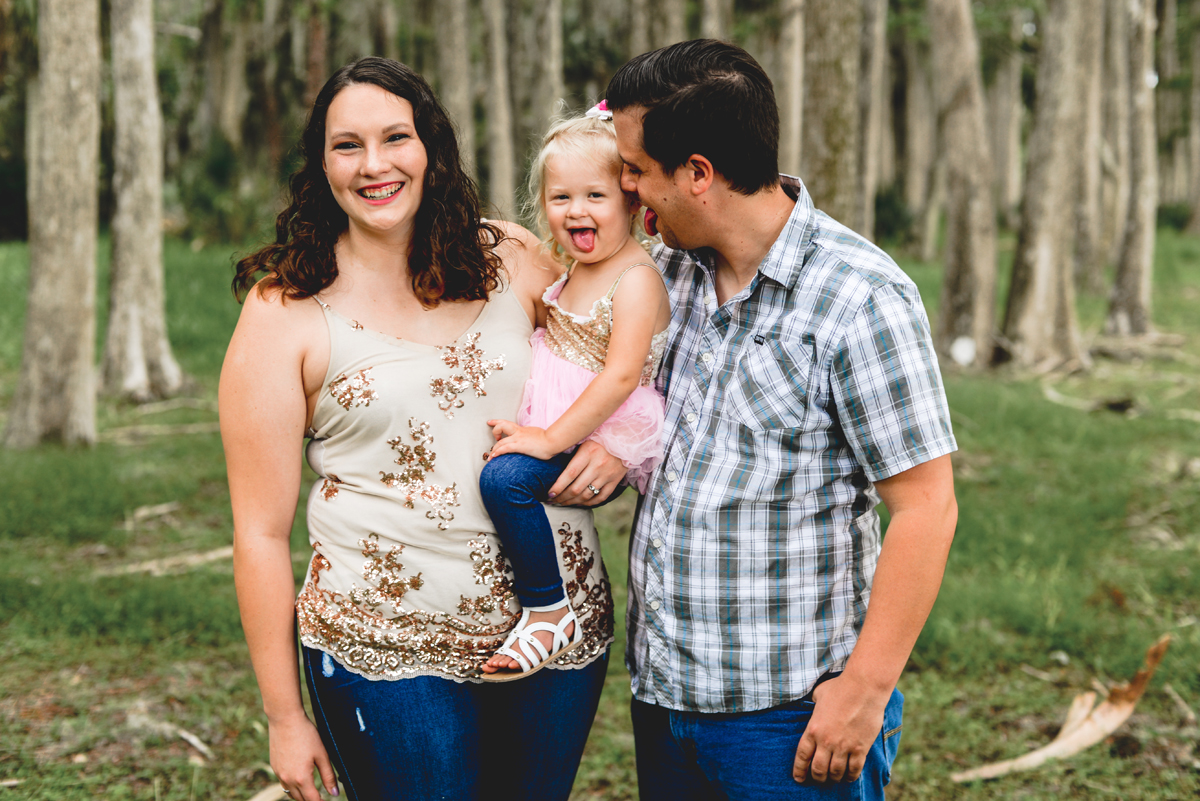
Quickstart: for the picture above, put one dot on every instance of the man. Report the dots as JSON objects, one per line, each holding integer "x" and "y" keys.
{"x": 767, "y": 627}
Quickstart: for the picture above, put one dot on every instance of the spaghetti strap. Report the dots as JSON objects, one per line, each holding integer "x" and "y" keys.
{"x": 613, "y": 289}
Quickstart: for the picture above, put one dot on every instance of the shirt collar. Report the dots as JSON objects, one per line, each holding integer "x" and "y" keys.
{"x": 784, "y": 260}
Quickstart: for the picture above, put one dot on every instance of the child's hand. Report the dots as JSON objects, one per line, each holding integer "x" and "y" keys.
{"x": 529, "y": 440}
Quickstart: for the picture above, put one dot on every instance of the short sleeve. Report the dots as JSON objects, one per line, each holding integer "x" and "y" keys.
{"x": 887, "y": 386}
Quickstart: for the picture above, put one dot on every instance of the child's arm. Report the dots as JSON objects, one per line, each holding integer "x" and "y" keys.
{"x": 640, "y": 308}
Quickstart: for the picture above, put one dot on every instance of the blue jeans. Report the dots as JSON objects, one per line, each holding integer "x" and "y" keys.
{"x": 428, "y": 737}
{"x": 513, "y": 486}
{"x": 696, "y": 756}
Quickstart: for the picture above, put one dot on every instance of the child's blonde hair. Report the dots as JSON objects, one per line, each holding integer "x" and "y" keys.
{"x": 576, "y": 138}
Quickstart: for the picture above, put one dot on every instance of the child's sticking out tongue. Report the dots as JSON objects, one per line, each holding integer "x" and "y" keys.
{"x": 584, "y": 238}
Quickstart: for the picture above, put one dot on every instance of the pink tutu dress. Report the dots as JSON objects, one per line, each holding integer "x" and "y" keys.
{"x": 567, "y": 355}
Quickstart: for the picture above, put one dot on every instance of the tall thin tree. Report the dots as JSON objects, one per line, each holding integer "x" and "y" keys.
{"x": 138, "y": 362}
{"x": 967, "y": 310}
{"x": 791, "y": 87}
{"x": 454, "y": 72}
{"x": 716, "y": 19}
{"x": 874, "y": 53}
{"x": 829, "y": 158}
{"x": 1089, "y": 256}
{"x": 501, "y": 160}
{"x": 56, "y": 392}
{"x": 1129, "y": 305}
{"x": 1193, "y": 226}
{"x": 1040, "y": 324}
{"x": 1117, "y": 175}
{"x": 1006, "y": 113}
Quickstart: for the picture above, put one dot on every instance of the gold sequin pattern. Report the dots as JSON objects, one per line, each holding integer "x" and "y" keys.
{"x": 475, "y": 370}
{"x": 373, "y": 631}
{"x": 417, "y": 462}
{"x": 585, "y": 342}
{"x": 329, "y": 487}
{"x": 355, "y": 390}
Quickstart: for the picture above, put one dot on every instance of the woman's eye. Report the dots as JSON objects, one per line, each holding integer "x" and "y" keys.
{"x": 344, "y": 146}
{"x": 397, "y": 137}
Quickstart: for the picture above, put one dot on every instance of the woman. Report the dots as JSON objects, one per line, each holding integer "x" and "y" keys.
{"x": 391, "y": 323}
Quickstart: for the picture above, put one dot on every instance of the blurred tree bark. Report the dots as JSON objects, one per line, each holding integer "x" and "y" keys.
{"x": 1115, "y": 152}
{"x": 212, "y": 51}
{"x": 887, "y": 139}
{"x": 716, "y": 19}
{"x": 501, "y": 165}
{"x": 1172, "y": 184}
{"x": 1193, "y": 226}
{"x": 316, "y": 50}
{"x": 454, "y": 73}
{"x": 791, "y": 88}
{"x": 56, "y": 392}
{"x": 234, "y": 93}
{"x": 670, "y": 22}
{"x": 1006, "y": 112}
{"x": 830, "y": 136}
{"x": 1089, "y": 255}
{"x": 1129, "y": 306}
{"x": 639, "y": 27}
{"x": 1040, "y": 327}
{"x": 138, "y": 363}
{"x": 553, "y": 87}
{"x": 967, "y": 310}
{"x": 921, "y": 184}
{"x": 871, "y": 98}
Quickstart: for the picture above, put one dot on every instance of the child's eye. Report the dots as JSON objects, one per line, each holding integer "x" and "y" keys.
{"x": 595, "y": 194}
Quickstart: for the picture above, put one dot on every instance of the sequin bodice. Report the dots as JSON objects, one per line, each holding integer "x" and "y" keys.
{"x": 407, "y": 577}
{"x": 584, "y": 340}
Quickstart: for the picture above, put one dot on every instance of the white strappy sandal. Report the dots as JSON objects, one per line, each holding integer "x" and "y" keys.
{"x": 523, "y": 634}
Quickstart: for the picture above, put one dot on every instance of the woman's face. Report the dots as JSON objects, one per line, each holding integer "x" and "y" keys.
{"x": 373, "y": 159}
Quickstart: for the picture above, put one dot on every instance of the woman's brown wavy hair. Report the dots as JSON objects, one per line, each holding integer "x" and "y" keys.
{"x": 445, "y": 262}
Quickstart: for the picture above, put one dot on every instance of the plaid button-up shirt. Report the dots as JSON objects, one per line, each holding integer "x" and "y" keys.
{"x": 755, "y": 545}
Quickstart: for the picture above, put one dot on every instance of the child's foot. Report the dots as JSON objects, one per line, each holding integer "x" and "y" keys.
{"x": 552, "y": 630}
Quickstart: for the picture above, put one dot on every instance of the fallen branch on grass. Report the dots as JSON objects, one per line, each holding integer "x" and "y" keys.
{"x": 1084, "y": 726}
{"x": 1120, "y": 405}
{"x": 130, "y": 434}
{"x": 138, "y": 717}
{"x": 1189, "y": 717}
{"x": 11, "y": 782}
{"x": 1184, "y": 414}
{"x": 176, "y": 403}
{"x": 144, "y": 513}
{"x": 275, "y": 793}
{"x": 170, "y": 564}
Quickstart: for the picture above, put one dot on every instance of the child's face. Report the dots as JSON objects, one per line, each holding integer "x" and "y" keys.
{"x": 589, "y": 215}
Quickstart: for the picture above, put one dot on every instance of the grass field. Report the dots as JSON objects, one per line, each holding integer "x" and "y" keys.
{"x": 1078, "y": 546}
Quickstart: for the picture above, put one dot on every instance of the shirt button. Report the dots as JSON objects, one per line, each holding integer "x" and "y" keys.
{"x": 708, "y": 300}
{"x": 656, "y": 542}
{"x": 706, "y": 358}
{"x": 655, "y": 605}
{"x": 672, "y": 476}
{"x": 691, "y": 417}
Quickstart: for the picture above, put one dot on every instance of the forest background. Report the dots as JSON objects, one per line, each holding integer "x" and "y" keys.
{"x": 1033, "y": 164}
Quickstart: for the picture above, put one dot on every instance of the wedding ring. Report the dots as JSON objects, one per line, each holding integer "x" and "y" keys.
{"x": 593, "y": 489}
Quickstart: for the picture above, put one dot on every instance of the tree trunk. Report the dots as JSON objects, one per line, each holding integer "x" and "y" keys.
{"x": 454, "y": 72}
{"x": 929, "y": 221}
{"x": 887, "y": 142}
{"x": 1129, "y": 307}
{"x": 316, "y": 65}
{"x": 1193, "y": 226}
{"x": 1089, "y": 257}
{"x": 967, "y": 311}
{"x": 716, "y": 18}
{"x": 212, "y": 51}
{"x": 56, "y": 393}
{"x": 829, "y": 161}
{"x": 1116, "y": 129}
{"x": 874, "y": 53}
{"x": 554, "y": 88}
{"x": 919, "y": 133}
{"x": 791, "y": 88}
{"x": 235, "y": 94}
{"x": 671, "y": 24}
{"x": 639, "y": 27}
{"x": 501, "y": 164}
{"x": 1006, "y": 111}
{"x": 138, "y": 363}
{"x": 1040, "y": 326}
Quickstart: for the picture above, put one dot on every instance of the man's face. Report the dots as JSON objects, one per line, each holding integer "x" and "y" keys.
{"x": 643, "y": 176}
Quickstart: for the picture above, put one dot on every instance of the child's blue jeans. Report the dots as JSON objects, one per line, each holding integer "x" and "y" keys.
{"x": 513, "y": 486}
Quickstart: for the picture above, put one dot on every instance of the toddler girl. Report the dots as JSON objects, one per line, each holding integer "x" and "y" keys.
{"x": 596, "y": 351}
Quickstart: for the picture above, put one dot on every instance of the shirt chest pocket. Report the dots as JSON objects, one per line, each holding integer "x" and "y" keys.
{"x": 772, "y": 385}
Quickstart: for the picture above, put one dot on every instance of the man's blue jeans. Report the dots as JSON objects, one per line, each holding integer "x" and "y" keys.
{"x": 696, "y": 756}
{"x": 427, "y": 737}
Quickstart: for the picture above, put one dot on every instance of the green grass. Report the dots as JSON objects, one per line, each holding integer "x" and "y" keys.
{"x": 1077, "y": 547}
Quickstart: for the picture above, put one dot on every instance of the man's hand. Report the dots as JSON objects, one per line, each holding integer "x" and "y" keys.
{"x": 590, "y": 467}
{"x": 846, "y": 719}
{"x": 529, "y": 440}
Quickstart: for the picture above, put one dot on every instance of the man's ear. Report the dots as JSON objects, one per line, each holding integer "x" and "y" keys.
{"x": 700, "y": 173}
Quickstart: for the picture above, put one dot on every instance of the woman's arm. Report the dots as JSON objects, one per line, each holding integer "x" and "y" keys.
{"x": 639, "y": 310}
{"x": 264, "y": 412}
{"x": 529, "y": 268}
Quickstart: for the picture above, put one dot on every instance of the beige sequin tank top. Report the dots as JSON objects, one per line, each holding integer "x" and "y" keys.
{"x": 407, "y": 577}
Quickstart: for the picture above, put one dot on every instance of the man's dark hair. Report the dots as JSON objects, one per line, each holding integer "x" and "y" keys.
{"x": 707, "y": 97}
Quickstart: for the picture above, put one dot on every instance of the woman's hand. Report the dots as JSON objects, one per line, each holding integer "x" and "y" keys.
{"x": 589, "y": 478}
{"x": 529, "y": 440}
{"x": 295, "y": 748}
